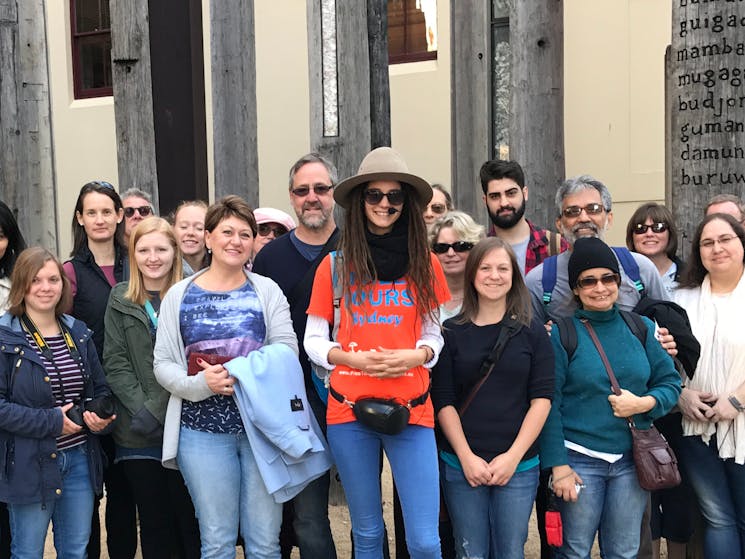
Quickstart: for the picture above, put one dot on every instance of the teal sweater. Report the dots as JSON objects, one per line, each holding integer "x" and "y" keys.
{"x": 580, "y": 412}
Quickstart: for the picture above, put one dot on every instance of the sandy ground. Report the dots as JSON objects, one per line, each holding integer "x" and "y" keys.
{"x": 340, "y": 526}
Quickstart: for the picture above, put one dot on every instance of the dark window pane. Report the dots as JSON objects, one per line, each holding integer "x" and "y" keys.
{"x": 95, "y": 61}
{"x": 89, "y": 15}
{"x": 412, "y": 30}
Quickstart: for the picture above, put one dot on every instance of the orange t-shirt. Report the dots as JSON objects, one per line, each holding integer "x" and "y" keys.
{"x": 382, "y": 316}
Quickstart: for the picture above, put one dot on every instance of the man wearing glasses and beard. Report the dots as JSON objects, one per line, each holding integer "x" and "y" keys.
{"x": 291, "y": 261}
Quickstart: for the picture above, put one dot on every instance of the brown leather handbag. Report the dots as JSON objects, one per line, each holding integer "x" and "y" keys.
{"x": 656, "y": 464}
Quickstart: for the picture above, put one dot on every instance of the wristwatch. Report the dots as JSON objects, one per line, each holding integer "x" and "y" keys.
{"x": 736, "y": 403}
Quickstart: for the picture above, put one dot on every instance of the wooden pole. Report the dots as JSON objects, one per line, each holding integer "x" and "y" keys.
{"x": 380, "y": 93}
{"x": 234, "y": 99}
{"x": 339, "y": 66}
{"x": 537, "y": 101}
{"x": 27, "y": 181}
{"x": 133, "y": 96}
{"x": 706, "y": 104}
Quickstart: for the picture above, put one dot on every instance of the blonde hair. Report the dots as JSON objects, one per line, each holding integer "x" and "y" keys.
{"x": 136, "y": 291}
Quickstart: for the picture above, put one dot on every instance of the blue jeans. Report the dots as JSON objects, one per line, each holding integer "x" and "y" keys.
{"x": 720, "y": 489}
{"x": 612, "y": 503}
{"x": 490, "y": 518}
{"x": 413, "y": 458}
{"x": 70, "y": 513}
{"x": 223, "y": 479}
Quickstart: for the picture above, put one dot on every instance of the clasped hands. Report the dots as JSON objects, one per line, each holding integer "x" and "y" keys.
{"x": 386, "y": 363}
{"x": 498, "y": 471}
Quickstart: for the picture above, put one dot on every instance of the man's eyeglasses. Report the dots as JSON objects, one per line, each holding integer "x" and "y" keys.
{"x": 319, "y": 189}
{"x": 144, "y": 211}
{"x": 458, "y": 246}
{"x": 265, "y": 228}
{"x": 590, "y": 209}
{"x": 724, "y": 240}
{"x": 641, "y": 228}
{"x": 438, "y": 208}
{"x": 374, "y": 196}
{"x": 591, "y": 281}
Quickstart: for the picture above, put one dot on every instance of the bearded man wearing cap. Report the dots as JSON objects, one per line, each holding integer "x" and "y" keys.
{"x": 291, "y": 261}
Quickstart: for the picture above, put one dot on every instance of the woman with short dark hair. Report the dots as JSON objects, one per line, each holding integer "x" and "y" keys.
{"x": 11, "y": 245}
{"x": 50, "y": 378}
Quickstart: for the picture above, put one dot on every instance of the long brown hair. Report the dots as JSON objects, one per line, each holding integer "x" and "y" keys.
{"x": 28, "y": 264}
{"x": 518, "y": 297}
{"x": 356, "y": 252}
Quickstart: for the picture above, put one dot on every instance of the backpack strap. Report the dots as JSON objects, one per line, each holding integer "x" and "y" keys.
{"x": 630, "y": 267}
{"x": 548, "y": 280}
{"x": 567, "y": 335}
{"x": 320, "y": 376}
{"x": 636, "y": 325}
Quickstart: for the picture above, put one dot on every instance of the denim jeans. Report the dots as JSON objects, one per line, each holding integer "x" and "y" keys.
{"x": 489, "y": 519}
{"x": 70, "y": 513}
{"x": 223, "y": 479}
{"x": 413, "y": 458}
{"x": 720, "y": 489}
{"x": 612, "y": 503}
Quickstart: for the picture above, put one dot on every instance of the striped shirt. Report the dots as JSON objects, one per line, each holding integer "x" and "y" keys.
{"x": 66, "y": 379}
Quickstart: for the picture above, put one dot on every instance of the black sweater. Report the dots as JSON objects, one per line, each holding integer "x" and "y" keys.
{"x": 524, "y": 371}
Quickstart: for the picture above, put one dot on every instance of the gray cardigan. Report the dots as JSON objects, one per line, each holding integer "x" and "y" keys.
{"x": 169, "y": 356}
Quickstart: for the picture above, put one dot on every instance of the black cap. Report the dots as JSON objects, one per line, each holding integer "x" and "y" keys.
{"x": 588, "y": 253}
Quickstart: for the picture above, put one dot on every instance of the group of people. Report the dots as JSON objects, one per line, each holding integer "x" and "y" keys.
{"x": 208, "y": 369}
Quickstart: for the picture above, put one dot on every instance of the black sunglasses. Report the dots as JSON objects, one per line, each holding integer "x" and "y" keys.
{"x": 144, "y": 211}
{"x": 575, "y": 211}
{"x": 591, "y": 281}
{"x": 319, "y": 189}
{"x": 458, "y": 246}
{"x": 438, "y": 208}
{"x": 641, "y": 228}
{"x": 374, "y": 196}
{"x": 265, "y": 228}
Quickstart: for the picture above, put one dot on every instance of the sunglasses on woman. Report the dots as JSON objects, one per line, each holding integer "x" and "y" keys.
{"x": 641, "y": 228}
{"x": 144, "y": 211}
{"x": 373, "y": 196}
{"x": 591, "y": 281}
{"x": 265, "y": 228}
{"x": 438, "y": 208}
{"x": 458, "y": 246}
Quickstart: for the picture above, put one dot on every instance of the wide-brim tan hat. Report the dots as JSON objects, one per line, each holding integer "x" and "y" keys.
{"x": 383, "y": 164}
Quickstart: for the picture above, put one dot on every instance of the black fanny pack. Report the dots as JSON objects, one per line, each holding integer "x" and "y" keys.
{"x": 382, "y": 415}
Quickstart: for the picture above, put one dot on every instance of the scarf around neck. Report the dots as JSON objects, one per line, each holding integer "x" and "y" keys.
{"x": 390, "y": 252}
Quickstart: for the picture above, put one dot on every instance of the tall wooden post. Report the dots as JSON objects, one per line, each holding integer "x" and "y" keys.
{"x": 380, "y": 91}
{"x": 234, "y": 99}
{"x": 706, "y": 105}
{"x": 537, "y": 101}
{"x": 133, "y": 96}
{"x": 27, "y": 182}
{"x": 339, "y": 67}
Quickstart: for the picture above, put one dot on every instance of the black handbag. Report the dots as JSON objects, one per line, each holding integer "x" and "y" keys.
{"x": 656, "y": 464}
{"x": 382, "y": 415}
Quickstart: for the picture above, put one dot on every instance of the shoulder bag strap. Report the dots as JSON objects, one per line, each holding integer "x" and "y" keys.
{"x": 608, "y": 369}
{"x": 508, "y": 329}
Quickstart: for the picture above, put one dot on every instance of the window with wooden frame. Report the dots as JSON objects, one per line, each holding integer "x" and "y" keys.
{"x": 91, "y": 48}
{"x": 412, "y": 30}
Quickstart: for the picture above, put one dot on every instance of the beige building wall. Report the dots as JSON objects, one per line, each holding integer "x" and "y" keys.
{"x": 82, "y": 130}
{"x": 613, "y": 103}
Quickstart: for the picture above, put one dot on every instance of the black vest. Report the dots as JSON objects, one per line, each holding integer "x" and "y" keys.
{"x": 92, "y": 295}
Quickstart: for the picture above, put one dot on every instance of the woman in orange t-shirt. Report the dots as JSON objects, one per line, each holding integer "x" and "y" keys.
{"x": 388, "y": 338}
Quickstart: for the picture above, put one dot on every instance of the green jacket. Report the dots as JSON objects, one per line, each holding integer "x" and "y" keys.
{"x": 128, "y": 364}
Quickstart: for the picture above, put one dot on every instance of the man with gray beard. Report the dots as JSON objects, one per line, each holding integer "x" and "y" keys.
{"x": 584, "y": 210}
{"x": 291, "y": 261}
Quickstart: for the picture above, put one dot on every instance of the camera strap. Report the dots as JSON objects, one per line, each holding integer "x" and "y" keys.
{"x": 46, "y": 351}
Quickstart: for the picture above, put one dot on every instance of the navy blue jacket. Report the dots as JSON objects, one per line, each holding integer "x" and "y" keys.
{"x": 29, "y": 419}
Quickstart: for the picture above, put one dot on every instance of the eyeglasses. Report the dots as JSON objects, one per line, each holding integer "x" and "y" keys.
{"x": 374, "y": 196}
{"x": 724, "y": 240}
{"x": 458, "y": 246}
{"x": 590, "y": 209}
{"x": 265, "y": 228}
{"x": 144, "y": 211}
{"x": 641, "y": 228}
{"x": 591, "y": 281}
{"x": 319, "y": 189}
{"x": 437, "y": 208}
